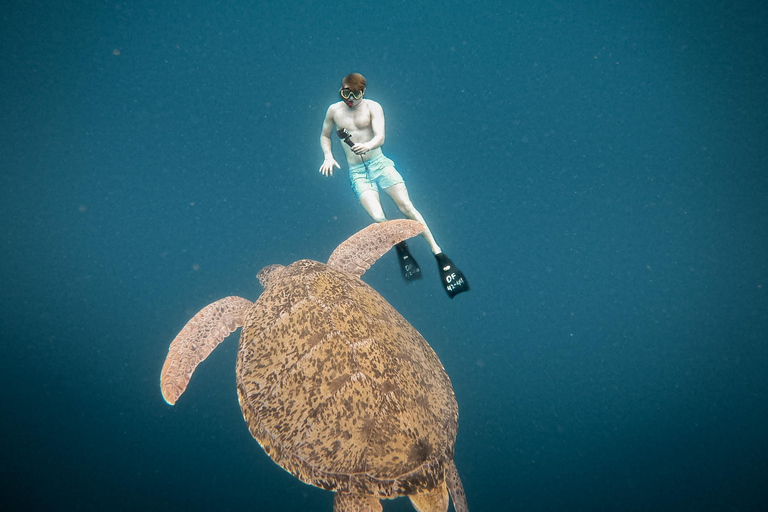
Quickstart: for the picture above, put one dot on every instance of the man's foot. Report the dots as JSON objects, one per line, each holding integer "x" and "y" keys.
{"x": 408, "y": 265}
{"x": 453, "y": 280}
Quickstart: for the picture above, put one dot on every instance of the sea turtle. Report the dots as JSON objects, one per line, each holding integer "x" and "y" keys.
{"x": 336, "y": 386}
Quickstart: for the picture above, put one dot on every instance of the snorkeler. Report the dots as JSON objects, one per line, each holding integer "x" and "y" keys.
{"x": 359, "y": 119}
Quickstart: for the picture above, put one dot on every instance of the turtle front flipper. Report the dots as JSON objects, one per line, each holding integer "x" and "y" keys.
{"x": 361, "y": 250}
{"x": 197, "y": 340}
{"x": 350, "y": 502}
{"x": 457, "y": 489}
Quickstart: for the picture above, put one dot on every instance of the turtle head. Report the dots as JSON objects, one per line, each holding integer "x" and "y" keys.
{"x": 268, "y": 275}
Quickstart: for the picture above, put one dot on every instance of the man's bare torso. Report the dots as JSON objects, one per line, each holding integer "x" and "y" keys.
{"x": 357, "y": 121}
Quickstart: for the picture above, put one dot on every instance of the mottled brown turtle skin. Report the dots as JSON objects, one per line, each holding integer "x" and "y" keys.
{"x": 336, "y": 386}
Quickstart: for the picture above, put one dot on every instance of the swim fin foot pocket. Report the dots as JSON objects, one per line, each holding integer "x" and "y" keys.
{"x": 408, "y": 265}
{"x": 453, "y": 280}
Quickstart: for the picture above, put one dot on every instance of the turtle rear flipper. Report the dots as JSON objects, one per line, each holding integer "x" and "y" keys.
{"x": 435, "y": 501}
{"x": 351, "y": 502}
{"x": 197, "y": 340}
{"x": 457, "y": 489}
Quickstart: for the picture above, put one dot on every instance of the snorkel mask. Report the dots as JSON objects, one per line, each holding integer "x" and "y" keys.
{"x": 347, "y": 94}
{"x": 350, "y": 96}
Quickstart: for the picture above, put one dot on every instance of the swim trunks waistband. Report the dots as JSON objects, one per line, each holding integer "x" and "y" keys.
{"x": 362, "y": 165}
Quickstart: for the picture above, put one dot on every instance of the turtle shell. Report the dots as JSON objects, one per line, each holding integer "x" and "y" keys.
{"x": 340, "y": 390}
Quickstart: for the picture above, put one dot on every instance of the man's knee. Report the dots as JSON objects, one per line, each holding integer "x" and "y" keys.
{"x": 374, "y": 210}
{"x": 378, "y": 216}
{"x": 407, "y": 207}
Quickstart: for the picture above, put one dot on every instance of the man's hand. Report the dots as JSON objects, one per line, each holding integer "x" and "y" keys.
{"x": 328, "y": 164}
{"x": 361, "y": 148}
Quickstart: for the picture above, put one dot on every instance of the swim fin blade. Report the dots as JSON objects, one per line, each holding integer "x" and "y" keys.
{"x": 408, "y": 265}
{"x": 453, "y": 280}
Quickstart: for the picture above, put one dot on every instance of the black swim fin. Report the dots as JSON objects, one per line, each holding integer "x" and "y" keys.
{"x": 408, "y": 265}
{"x": 453, "y": 280}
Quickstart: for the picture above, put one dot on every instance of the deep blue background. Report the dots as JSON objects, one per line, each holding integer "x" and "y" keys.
{"x": 597, "y": 170}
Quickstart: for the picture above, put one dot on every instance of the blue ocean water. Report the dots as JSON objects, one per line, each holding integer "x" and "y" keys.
{"x": 597, "y": 170}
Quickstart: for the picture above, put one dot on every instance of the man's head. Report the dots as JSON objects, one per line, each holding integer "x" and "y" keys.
{"x": 352, "y": 89}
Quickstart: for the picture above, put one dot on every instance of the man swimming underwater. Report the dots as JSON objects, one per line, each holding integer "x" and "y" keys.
{"x": 360, "y": 119}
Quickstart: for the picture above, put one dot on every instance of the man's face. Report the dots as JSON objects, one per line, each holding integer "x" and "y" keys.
{"x": 351, "y": 96}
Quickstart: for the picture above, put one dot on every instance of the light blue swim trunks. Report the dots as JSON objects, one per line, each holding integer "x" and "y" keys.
{"x": 378, "y": 171}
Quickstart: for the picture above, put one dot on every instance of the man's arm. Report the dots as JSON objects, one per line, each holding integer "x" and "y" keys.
{"x": 325, "y": 142}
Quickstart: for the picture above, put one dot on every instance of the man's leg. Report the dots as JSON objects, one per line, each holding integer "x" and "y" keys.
{"x": 370, "y": 201}
{"x": 399, "y": 195}
{"x": 372, "y": 204}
